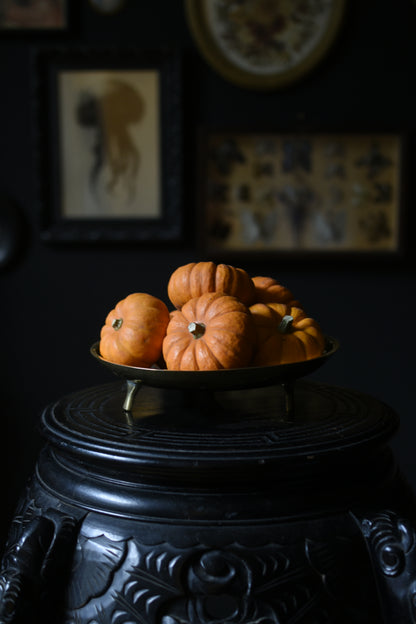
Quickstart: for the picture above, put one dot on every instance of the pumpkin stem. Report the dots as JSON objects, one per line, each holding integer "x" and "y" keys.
{"x": 117, "y": 323}
{"x": 285, "y": 324}
{"x": 196, "y": 329}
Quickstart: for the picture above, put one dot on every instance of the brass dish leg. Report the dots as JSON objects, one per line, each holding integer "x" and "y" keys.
{"x": 133, "y": 386}
{"x": 289, "y": 401}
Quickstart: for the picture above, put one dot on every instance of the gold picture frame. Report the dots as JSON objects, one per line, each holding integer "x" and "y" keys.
{"x": 297, "y": 194}
{"x": 263, "y": 45}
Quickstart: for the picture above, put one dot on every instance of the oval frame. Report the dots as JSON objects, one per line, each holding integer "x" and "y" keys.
{"x": 198, "y": 22}
{"x": 107, "y": 8}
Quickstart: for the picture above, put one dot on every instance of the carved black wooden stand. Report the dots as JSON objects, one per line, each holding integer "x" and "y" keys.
{"x": 211, "y": 508}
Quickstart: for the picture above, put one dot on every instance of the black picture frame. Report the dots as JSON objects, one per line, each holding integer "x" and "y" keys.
{"x": 34, "y": 16}
{"x": 109, "y": 144}
{"x": 248, "y": 182}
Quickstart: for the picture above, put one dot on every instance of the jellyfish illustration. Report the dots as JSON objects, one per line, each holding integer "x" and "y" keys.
{"x": 115, "y": 156}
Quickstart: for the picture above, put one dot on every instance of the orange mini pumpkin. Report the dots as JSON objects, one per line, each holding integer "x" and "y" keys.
{"x": 210, "y": 332}
{"x": 269, "y": 290}
{"x": 196, "y": 278}
{"x": 285, "y": 334}
{"x": 133, "y": 332}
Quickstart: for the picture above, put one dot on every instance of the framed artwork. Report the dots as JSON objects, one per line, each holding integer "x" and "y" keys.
{"x": 301, "y": 193}
{"x": 29, "y": 15}
{"x": 264, "y": 45}
{"x": 109, "y": 145}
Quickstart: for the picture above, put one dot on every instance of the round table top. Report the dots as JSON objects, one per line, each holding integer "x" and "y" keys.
{"x": 222, "y": 431}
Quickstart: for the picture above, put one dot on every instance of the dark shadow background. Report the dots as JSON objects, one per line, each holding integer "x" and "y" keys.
{"x": 54, "y": 299}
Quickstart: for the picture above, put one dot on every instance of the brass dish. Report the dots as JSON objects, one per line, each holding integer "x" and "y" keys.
{"x": 225, "y": 379}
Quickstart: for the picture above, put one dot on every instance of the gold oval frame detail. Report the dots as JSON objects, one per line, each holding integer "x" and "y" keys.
{"x": 196, "y": 14}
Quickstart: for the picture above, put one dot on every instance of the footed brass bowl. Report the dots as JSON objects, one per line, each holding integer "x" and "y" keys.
{"x": 216, "y": 380}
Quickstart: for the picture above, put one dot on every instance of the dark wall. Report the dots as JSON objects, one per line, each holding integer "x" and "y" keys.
{"x": 54, "y": 298}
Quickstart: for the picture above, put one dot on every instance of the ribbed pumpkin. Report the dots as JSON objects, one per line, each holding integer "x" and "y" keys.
{"x": 196, "y": 278}
{"x": 133, "y": 332}
{"x": 210, "y": 332}
{"x": 269, "y": 290}
{"x": 285, "y": 334}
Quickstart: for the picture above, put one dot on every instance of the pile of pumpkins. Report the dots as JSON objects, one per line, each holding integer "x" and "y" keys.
{"x": 223, "y": 318}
